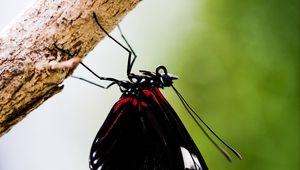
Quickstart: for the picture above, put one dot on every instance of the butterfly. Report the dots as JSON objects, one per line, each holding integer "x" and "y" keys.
{"x": 142, "y": 131}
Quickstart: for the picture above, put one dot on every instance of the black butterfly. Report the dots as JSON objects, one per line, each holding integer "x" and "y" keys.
{"x": 142, "y": 131}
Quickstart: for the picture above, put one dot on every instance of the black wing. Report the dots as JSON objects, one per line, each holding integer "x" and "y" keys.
{"x": 144, "y": 134}
{"x": 191, "y": 155}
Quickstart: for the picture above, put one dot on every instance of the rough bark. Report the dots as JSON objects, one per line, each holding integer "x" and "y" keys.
{"x": 31, "y": 67}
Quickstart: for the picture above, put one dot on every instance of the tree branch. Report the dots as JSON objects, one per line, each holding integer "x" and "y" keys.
{"x": 32, "y": 67}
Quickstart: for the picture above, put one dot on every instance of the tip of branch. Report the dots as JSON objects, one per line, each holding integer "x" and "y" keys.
{"x": 71, "y": 63}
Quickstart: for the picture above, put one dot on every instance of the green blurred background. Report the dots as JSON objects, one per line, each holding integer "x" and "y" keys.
{"x": 238, "y": 66}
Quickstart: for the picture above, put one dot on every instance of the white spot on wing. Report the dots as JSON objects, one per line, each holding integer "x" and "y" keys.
{"x": 94, "y": 154}
{"x": 190, "y": 160}
{"x": 100, "y": 167}
{"x": 95, "y": 161}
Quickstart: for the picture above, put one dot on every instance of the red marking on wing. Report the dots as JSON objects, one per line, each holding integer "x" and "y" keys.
{"x": 149, "y": 93}
{"x": 141, "y": 105}
{"x": 156, "y": 95}
{"x": 160, "y": 95}
{"x": 134, "y": 102}
{"x": 121, "y": 102}
{"x": 144, "y": 104}
{"x": 115, "y": 108}
{"x": 115, "y": 121}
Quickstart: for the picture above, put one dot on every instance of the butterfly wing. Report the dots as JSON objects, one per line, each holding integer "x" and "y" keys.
{"x": 192, "y": 157}
{"x": 117, "y": 145}
{"x": 144, "y": 134}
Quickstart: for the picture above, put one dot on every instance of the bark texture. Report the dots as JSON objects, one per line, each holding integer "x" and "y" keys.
{"x": 30, "y": 64}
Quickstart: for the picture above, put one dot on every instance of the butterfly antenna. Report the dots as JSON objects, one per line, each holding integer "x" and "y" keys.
{"x": 192, "y": 113}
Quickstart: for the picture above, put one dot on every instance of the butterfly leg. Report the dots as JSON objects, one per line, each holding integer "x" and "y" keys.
{"x": 130, "y": 51}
